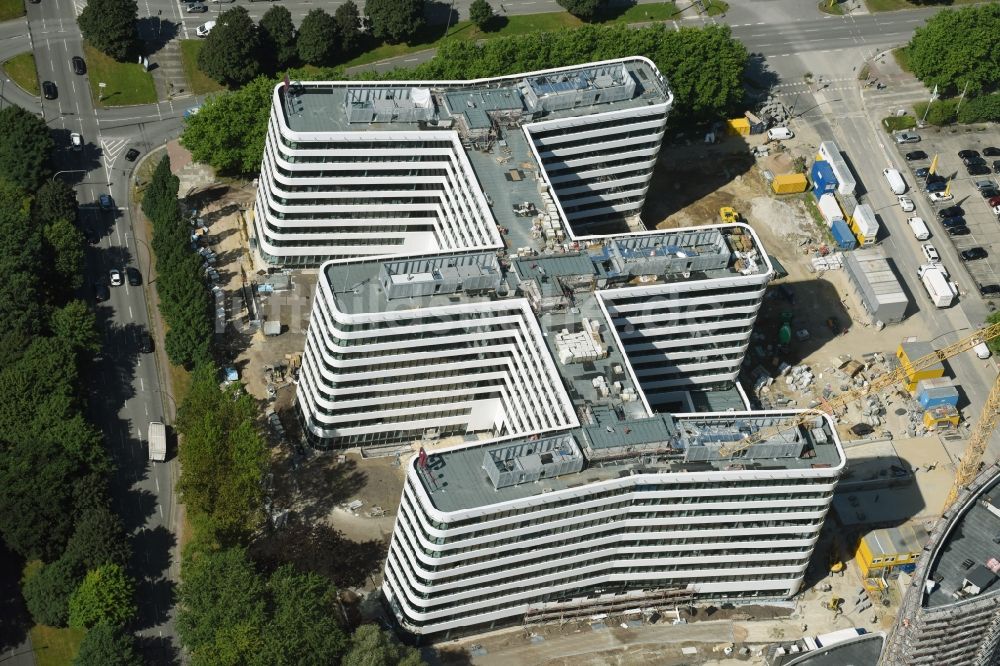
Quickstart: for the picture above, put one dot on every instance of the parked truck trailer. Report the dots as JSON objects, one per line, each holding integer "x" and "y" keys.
{"x": 938, "y": 285}
{"x": 157, "y": 441}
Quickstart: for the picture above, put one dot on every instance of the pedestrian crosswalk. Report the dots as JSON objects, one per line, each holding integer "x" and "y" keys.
{"x": 78, "y": 6}
{"x": 111, "y": 148}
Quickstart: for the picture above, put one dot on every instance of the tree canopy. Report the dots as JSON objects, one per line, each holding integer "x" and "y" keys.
{"x": 971, "y": 63}
{"x": 98, "y": 539}
{"x": 55, "y": 201}
{"x": 583, "y": 9}
{"x": 64, "y": 250}
{"x": 395, "y": 20}
{"x": 317, "y": 41}
{"x": 224, "y": 457}
{"x": 109, "y": 25}
{"x": 277, "y": 37}
{"x": 230, "y": 52}
{"x": 348, "y": 19}
{"x": 25, "y": 144}
{"x": 47, "y": 592}
{"x": 481, "y": 14}
{"x": 106, "y": 645}
{"x": 371, "y": 646}
{"x": 104, "y": 596}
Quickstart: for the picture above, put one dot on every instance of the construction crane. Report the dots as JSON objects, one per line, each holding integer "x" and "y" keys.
{"x": 968, "y": 466}
{"x": 876, "y": 385}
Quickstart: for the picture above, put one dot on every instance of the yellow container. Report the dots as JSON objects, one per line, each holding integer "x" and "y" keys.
{"x": 789, "y": 183}
{"x": 912, "y": 351}
{"x": 942, "y": 417}
{"x": 739, "y": 126}
{"x": 888, "y": 548}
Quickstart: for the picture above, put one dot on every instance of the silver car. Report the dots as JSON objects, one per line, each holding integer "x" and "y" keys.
{"x": 907, "y": 137}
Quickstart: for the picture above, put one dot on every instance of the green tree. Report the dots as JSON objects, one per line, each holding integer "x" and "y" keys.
{"x": 586, "y": 10}
{"x": 994, "y": 344}
{"x": 970, "y": 64}
{"x": 982, "y": 109}
{"x": 370, "y": 646}
{"x": 98, "y": 539}
{"x": 109, "y": 25}
{"x": 25, "y": 145}
{"x": 224, "y": 457}
{"x": 104, "y": 596}
{"x": 318, "y": 39}
{"x": 76, "y": 325}
{"x": 106, "y": 645}
{"x": 36, "y": 489}
{"x": 395, "y": 20}
{"x": 481, "y": 14}
{"x": 277, "y": 37}
{"x": 22, "y": 308}
{"x": 64, "y": 248}
{"x": 230, "y": 52}
{"x": 55, "y": 201}
{"x": 47, "y": 592}
{"x": 228, "y": 132}
{"x": 302, "y": 628}
{"x": 220, "y": 592}
{"x": 348, "y": 19}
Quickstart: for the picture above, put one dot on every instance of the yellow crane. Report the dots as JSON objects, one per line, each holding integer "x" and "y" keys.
{"x": 884, "y": 381}
{"x": 968, "y": 466}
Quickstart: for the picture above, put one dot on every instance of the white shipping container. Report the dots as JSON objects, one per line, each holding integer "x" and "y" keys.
{"x": 829, "y": 209}
{"x": 830, "y": 152}
{"x": 867, "y": 226}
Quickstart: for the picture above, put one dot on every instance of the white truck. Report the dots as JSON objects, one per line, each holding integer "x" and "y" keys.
{"x": 938, "y": 285}
{"x": 157, "y": 441}
{"x": 895, "y": 180}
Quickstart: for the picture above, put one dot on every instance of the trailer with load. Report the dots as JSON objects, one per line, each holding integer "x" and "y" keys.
{"x": 936, "y": 281}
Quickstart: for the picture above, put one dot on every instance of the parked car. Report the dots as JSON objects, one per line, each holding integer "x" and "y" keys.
{"x": 197, "y": 8}
{"x": 922, "y": 172}
{"x": 972, "y": 159}
{"x": 974, "y": 253}
{"x": 105, "y": 201}
{"x": 133, "y": 275}
{"x": 906, "y": 203}
{"x": 915, "y": 155}
{"x": 953, "y": 222}
{"x": 146, "y": 343}
{"x": 907, "y": 137}
{"x": 979, "y": 169}
{"x": 76, "y": 141}
{"x": 996, "y": 166}
{"x": 990, "y": 193}
{"x": 958, "y": 231}
{"x": 79, "y": 66}
{"x": 991, "y": 151}
{"x": 989, "y": 289}
{"x": 950, "y": 211}
{"x": 985, "y": 184}
{"x": 994, "y": 201}
{"x": 963, "y": 154}
{"x": 131, "y": 155}
{"x": 931, "y": 253}
{"x": 939, "y": 197}
{"x": 49, "y": 90}
{"x": 936, "y": 186}
{"x": 115, "y": 277}
{"x": 101, "y": 292}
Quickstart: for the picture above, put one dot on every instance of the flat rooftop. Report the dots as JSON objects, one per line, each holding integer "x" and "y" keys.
{"x": 404, "y": 106}
{"x": 970, "y": 552}
{"x": 861, "y": 651}
{"x": 610, "y": 447}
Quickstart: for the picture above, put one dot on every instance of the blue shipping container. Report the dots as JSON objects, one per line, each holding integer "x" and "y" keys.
{"x": 842, "y": 234}
{"x": 823, "y": 179}
{"x": 937, "y": 398}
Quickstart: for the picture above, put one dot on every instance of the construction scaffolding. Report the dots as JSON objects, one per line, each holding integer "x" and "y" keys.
{"x": 647, "y": 600}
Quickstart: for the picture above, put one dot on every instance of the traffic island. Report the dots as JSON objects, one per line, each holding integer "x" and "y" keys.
{"x": 114, "y": 83}
{"x": 22, "y": 71}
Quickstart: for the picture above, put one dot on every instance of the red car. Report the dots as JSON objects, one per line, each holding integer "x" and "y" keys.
{"x": 995, "y": 201}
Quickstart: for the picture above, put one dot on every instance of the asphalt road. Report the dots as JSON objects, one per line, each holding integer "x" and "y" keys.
{"x": 125, "y": 393}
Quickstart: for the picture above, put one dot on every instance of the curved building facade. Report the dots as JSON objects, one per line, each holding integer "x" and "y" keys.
{"x": 951, "y": 613}
{"x": 355, "y": 169}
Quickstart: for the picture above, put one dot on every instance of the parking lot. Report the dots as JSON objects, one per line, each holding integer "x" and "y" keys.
{"x": 984, "y": 230}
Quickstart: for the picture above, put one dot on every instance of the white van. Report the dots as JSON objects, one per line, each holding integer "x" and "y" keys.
{"x": 895, "y": 180}
{"x": 919, "y": 229}
{"x": 205, "y": 28}
{"x": 779, "y": 133}
{"x": 982, "y": 351}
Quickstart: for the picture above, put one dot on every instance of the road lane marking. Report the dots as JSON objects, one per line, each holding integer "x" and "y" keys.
{"x": 157, "y": 479}
{"x": 160, "y": 507}
{"x": 131, "y": 316}
{"x": 142, "y": 386}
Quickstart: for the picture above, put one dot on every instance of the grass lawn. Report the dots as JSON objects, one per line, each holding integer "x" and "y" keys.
{"x": 55, "y": 647}
{"x": 11, "y": 9}
{"x": 892, "y": 5}
{"x": 21, "y": 70}
{"x": 200, "y": 82}
{"x": 898, "y": 123}
{"x": 902, "y": 57}
{"x": 836, "y": 8}
{"x": 716, "y": 7}
{"x": 127, "y": 82}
